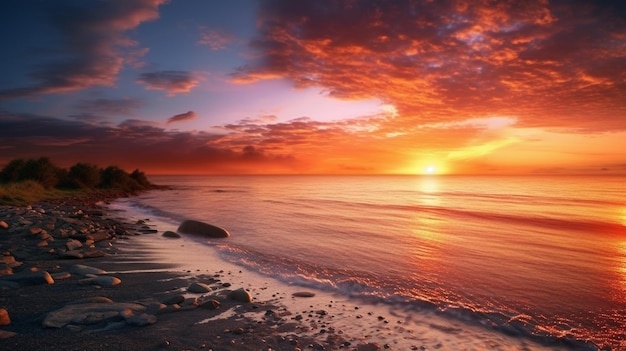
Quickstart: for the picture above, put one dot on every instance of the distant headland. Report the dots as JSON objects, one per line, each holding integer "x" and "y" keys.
{"x": 31, "y": 180}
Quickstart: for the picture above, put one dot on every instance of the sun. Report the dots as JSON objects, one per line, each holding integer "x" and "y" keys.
{"x": 430, "y": 169}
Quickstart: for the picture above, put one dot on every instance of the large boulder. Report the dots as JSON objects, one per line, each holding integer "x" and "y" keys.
{"x": 196, "y": 227}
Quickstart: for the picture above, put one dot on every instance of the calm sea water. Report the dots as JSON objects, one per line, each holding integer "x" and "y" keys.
{"x": 539, "y": 257}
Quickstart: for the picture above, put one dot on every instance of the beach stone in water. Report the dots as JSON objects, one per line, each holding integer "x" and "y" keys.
{"x": 240, "y": 295}
{"x": 4, "y": 225}
{"x": 170, "y": 234}
{"x": 200, "y": 228}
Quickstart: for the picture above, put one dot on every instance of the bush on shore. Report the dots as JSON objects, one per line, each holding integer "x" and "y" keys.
{"x": 26, "y": 180}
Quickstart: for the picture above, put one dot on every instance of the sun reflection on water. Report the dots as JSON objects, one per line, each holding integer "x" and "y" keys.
{"x": 429, "y": 191}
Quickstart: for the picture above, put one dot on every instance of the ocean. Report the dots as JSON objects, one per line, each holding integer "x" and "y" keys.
{"x": 541, "y": 259}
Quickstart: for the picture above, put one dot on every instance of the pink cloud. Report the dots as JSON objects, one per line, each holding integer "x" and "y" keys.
{"x": 214, "y": 38}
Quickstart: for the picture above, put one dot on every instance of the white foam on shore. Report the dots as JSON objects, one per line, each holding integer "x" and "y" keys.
{"x": 326, "y": 313}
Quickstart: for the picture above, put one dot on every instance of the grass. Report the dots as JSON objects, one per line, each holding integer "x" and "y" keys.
{"x": 29, "y": 191}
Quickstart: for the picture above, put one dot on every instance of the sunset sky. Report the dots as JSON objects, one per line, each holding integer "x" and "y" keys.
{"x": 331, "y": 87}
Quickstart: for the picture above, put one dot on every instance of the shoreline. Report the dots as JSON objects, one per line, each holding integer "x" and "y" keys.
{"x": 136, "y": 253}
{"x": 39, "y": 280}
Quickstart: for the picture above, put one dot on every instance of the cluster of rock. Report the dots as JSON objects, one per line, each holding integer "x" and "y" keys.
{"x": 61, "y": 231}
{"x": 57, "y": 231}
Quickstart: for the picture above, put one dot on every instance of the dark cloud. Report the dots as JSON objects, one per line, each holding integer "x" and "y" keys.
{"x": 131, "y": 144}
{"x": 450, "y": 60}
{"x": 187, "y": 116}
{"x": 92, "y": 48}
{"x": 118, "y": 107}
{"x": 173, "y": 82}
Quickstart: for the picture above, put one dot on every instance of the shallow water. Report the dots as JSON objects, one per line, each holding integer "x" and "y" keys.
{"x": 542, "y": 258}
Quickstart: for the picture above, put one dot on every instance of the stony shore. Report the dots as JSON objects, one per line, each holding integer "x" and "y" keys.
{"x": 66, "y": 284}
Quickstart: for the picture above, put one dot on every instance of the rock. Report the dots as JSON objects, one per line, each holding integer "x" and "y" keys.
{"x": 210, "y": 304}
{"x": 73, "y": 244}
{"x": 88, "y": 313}
{"x": 8, "y": 260}
{"x": 4, "y": 317}
{"x": 72, "y": 254}
{"x": 29, "y": 278}
{"x": 61, "y": 275}
{"x": 84, "y": 270}
{"x": 240, "y": 295}
{"x": 4, "y": 225}
{"x": 155, "y": 308}
{"x": 98, "y": 236}
{"x": 170, "y": 234}
{"x": 204, "y": 229}
{"x": 93, "y": 253}
{"x": 189, "y": 303}
{"x": 199, "y": 288}
{"x": 105, "y": 281}
{"x": 174, "y": 300}
{"x": 141, "y": 319}
{"x": 303, "y": 294}
{"x": 95, "y": 299}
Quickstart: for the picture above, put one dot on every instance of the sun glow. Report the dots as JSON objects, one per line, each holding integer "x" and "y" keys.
{"x": 430, "y": 169}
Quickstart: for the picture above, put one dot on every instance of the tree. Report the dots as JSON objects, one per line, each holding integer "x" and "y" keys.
{"x": 41, "y": 170}
{"x": 114, "y": 177}
{"x": 140, "y": 178}
{"x": 11, "y": 172}
{"x": 83, "y": 175}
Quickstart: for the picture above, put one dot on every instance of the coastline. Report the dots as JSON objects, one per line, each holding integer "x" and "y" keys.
{"x": 155, "y": 275}
{"x": 39, "y": 280}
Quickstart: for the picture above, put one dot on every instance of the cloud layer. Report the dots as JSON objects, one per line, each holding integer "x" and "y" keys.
{"x": 552, "y": 64}
{"x": 130, "y": 144}
{"x": 93, "y": 47}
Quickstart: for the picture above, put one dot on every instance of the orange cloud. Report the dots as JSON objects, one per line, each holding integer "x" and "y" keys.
{"x": 439, "y": 61}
